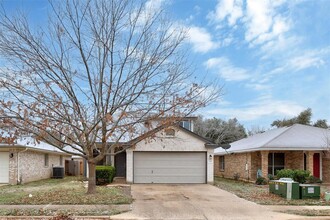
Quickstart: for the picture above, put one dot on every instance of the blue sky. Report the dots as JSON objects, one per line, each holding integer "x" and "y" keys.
{"x": 273, "y": 57}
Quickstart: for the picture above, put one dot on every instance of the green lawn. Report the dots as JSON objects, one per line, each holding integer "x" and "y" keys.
{"x": 69, "y": 190}
{"x": 261, "y": 195}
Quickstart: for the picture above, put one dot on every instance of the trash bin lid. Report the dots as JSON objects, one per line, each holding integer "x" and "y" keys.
{"x": 286, "y": 180}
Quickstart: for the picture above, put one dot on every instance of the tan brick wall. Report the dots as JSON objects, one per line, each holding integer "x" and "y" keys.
{"x": 255, "y": 164}
{"x": 234, "y": 163}
{"x": 294, "y": 160}
{"x": 32, "y": 166}
{"x": 264, "y": 163}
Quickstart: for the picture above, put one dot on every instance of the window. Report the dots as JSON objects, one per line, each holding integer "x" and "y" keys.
{"x": 169, "y": 132}
{"x": 222, "y": 163}
{"x": 305, "y": 161}
{"x": 61, "y": 160}
{"x": 46, "y": 160}
{"x": 186, "y": 125}
{"x": 275, "y": 162}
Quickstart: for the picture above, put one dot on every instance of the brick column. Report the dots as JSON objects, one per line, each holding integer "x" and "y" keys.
{"x": 309, "y": 161}
{"x": 264, "y": 163}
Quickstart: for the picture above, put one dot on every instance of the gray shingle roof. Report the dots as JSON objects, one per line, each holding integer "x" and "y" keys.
{"x": 295, "y": 137}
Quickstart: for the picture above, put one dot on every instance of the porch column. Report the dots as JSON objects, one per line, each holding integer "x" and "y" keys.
{"x": 309, "y": 161}
{"x": 112, "y": 157}
{"x": 264, "y": 163}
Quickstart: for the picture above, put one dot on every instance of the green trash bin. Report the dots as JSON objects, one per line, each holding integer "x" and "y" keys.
{"x": 309, "y": 191}
{"x": 285, "y": 187}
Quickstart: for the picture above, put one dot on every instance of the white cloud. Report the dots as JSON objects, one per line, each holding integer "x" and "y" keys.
{"x": 201, "y": 40}
{"x": 297, "y": 62}
{"x": 263, "y": 107}
{"x": 263, "y": 22}
{"x": 258, "y": 86}
{"x": 311, "y": 59}
{"x": 152, "y": 6}
{"x": 226, "y": 69}
{"x": 231, "y": 10}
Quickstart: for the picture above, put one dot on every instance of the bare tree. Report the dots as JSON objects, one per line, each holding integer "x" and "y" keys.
{"x": 94, "y": 74}
{"x": 256, "y": 129}
{"x": 220, "y": 131}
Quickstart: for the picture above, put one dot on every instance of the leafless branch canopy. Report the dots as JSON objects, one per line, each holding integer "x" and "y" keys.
{"x": 95, "y": 73}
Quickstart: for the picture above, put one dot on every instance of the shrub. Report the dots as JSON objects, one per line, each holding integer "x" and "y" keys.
{"x": 285, "y": 173}
{"x": 313, "y": 179}
{"x": 297, "y": 175}
{"x": 271, "y": 177}
{"x": 261, "y": 181}
{"x": 104, "y": 174}
{"x": 300, "y": 176}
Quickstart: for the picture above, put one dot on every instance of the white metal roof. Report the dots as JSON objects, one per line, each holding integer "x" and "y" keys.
{"x": 30, "y": 143}
{"x": 295, "y": 137}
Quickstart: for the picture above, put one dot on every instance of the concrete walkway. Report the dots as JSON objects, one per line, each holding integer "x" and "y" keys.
{"x": 193, "y": 201}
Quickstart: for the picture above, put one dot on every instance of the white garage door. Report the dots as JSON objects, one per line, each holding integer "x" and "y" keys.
{"x": 169, "y": 167}
{"x": 4, "y": 167}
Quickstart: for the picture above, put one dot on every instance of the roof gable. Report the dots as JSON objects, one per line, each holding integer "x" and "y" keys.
{"x": 207, "y": 142}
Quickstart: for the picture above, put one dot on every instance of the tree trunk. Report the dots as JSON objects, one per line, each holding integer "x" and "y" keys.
{"x": 91, "y": 178}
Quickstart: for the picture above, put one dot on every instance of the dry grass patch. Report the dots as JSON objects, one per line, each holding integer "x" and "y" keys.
{"x": 308, "y": 212}
{"x": 69, "y": 190}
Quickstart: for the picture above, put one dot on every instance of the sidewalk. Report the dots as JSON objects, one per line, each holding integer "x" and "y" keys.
{"x": 117, "y": 208}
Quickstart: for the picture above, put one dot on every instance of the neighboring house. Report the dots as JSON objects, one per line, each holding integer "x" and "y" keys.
{"x": 295, "y": 147}
{"x": 26, "y": 161}
{"x": 172, "y": 154}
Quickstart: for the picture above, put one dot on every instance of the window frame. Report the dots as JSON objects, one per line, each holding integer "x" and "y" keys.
{"x": 46, "y": 160}
{"x": 222, "y": 163}
{"x": 169, "y": 132}
{"x": 186, "y": 124}
{"x": 274, "y": 165}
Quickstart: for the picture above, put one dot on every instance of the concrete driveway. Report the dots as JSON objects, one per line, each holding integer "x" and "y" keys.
{"x": 192, "y": 201}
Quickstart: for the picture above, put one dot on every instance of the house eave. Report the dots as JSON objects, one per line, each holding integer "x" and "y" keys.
{"x": 271, "y": 149}
{"x": 21, "y": 147}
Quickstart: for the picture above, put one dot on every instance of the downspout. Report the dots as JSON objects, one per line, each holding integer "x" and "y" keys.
{"x": 18, "y": 173}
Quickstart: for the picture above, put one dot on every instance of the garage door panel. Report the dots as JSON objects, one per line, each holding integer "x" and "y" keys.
{"x": 169, "y": 163}
{"x": 169, "y": 179}
{"x": 4, "y": 167}
{"x": 169, "y": 171}
{"x": 169, "y": 167}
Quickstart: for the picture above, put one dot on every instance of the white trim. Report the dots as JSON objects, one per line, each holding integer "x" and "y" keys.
{"x": 289, "y": 191}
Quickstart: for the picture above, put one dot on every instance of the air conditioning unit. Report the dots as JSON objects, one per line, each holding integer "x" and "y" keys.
{"x": 58, "y": 172}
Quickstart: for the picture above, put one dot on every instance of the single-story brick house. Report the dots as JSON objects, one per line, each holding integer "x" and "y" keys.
{"x": 295, "y": 147}
{"x": 174, "y": 154}
{"x": 27, "y": 161}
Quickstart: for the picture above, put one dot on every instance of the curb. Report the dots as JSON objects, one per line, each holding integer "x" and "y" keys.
{"x": 51, "y": 217}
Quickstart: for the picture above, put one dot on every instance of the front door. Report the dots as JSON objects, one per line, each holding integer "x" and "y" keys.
{"x": 120, "y": 164}
{"x": 316, "y": 165}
